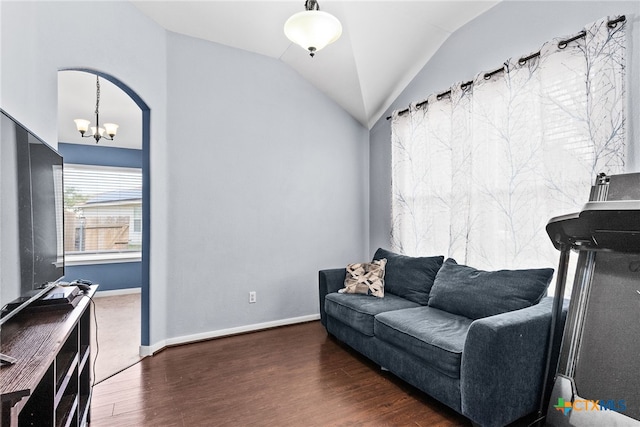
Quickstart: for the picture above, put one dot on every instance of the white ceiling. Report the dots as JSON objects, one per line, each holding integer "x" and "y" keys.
{"x": 384, "y": 44}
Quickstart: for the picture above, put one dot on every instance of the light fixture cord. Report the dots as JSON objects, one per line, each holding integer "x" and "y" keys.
{"x": 97, "y": 100}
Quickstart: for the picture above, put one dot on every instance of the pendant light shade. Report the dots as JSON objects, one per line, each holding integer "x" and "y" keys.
{"x": 312, "y": 29}
{"x": 82, "y": 125}
{"x": 111, "y": 129}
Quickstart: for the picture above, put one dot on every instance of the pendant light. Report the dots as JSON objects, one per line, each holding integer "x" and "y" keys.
{"x": 312, "y": 29}
{"x": 96, "y": 131}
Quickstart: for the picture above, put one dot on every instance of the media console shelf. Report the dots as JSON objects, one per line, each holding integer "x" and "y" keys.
{"x": 50, "y": 384}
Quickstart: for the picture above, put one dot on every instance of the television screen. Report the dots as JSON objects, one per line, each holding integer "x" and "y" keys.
{"x": 31, "y": 214}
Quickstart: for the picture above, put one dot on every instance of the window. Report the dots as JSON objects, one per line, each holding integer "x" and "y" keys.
{"x": 103, "y": 213}
{"x": 478, "y": 173}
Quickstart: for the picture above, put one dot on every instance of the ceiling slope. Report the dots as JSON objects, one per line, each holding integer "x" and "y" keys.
{"x": 383, "y": 46}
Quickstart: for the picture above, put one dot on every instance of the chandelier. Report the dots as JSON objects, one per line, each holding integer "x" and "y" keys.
{"x": 97, "y": 132}
{"x": 312, "y": 29}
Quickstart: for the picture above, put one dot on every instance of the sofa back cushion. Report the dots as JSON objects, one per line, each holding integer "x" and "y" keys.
{"x": 409, "y": 277}
{"x": 473, "y": 293}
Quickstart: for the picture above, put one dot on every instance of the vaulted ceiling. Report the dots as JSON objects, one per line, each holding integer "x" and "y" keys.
{"x": 384, "y": 44}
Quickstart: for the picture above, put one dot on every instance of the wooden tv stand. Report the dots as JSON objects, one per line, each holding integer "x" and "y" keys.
{"x": 50, "y": 384}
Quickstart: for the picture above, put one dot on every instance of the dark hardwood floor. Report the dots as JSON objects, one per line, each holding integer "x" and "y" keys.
{"x": 289, "y": 376}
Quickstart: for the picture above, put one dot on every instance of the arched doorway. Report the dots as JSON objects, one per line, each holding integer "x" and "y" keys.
{"x": 145, "y": 191}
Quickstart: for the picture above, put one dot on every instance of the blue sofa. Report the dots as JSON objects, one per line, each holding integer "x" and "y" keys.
{"x": 474, "y": 340}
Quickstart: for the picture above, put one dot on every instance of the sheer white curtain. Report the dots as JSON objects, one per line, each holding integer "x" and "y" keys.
{"x": 478, "y": 173}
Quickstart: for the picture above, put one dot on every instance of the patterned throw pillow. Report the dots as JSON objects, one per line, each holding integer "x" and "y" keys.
{"x": 365, "y": 278}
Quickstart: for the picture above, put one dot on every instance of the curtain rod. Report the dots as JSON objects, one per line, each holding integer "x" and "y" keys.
{"x": 561, "y": 45}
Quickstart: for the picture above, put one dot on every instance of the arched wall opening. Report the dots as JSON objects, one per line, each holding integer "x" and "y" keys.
{"x": 146, "y": 192}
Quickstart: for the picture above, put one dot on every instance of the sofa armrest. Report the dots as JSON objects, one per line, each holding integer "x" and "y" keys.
{"x": 503, "y": 364}
{"x": 329, "y": 281}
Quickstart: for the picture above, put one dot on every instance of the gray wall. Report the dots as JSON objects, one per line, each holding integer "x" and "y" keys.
{"x": 269, "y": 187}
{"x": 248, "y": 191}
{"x": 509, "y": 29}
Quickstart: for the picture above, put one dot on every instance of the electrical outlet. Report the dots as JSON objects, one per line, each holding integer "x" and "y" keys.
{"x": 252, "y": 297}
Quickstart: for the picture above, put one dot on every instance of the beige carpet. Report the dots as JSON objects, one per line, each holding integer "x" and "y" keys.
{"x": 118, "y": 327}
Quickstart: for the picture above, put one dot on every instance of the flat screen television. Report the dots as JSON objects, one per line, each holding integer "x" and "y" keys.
{"x": 31, "y": 217}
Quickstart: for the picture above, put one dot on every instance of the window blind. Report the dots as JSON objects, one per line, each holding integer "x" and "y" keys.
{"x": 103, "y": 208}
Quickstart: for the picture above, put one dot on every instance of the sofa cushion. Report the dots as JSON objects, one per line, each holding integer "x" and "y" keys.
{"x": 358, "y": 311}
{"x": 473, "y": 293}
{"x": 432, "y": 335}
{"x": 409, "y": 277}
{"x": 365, "y": 278}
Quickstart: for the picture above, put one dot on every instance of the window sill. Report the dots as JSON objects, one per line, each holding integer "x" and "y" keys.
{"x": 91, "y": 259}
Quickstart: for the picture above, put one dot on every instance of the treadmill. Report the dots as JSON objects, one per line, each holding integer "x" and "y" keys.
{"x": 596, "y": 379}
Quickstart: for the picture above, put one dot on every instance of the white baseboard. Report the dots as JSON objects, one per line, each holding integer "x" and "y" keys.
{"x": 186, "y": 339}
{"x": 116, "y": 292}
